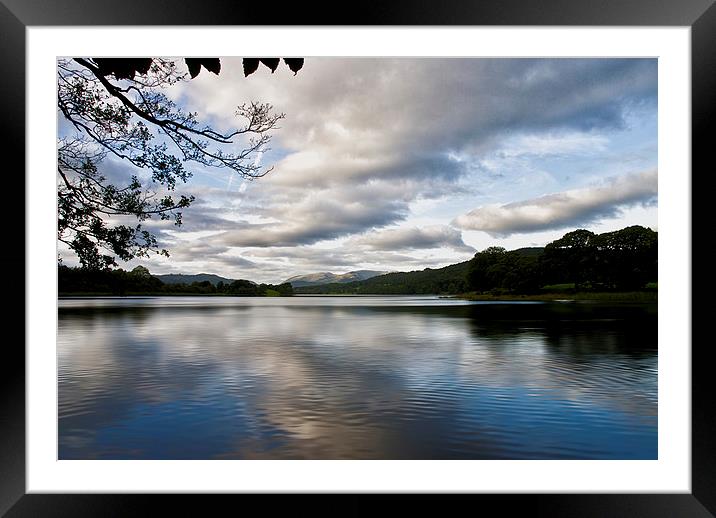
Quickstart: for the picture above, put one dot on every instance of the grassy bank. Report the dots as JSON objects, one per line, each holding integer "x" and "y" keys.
{"x": 630, "y": 296}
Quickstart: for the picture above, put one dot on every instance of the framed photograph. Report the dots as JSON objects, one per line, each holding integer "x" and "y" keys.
{"x": 417, "y": 254}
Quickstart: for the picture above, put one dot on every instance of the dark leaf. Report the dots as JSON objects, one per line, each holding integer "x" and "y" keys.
{"x": 272, "y": 63}
{"x": 194, "y": 66}
{"x": 212, "y": 65}
{"x": 123, "y": 68}
{"x": 250, "y": 66}
{"x": 295, "y": 64}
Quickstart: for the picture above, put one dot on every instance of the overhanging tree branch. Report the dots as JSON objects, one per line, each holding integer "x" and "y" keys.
{"x": 131, "y": 118}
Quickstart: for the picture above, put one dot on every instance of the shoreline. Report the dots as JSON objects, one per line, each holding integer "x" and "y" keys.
{"x": 630, "y": 296}
{"x": 635, "y": 296}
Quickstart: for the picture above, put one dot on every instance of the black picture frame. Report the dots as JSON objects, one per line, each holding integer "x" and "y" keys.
{"x": 17, "y": 15}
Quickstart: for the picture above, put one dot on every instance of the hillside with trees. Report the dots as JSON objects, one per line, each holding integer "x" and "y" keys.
{"x": 450, "y": 279}
{"x": 623, "y": 260}
{"x": 178, "y": 278}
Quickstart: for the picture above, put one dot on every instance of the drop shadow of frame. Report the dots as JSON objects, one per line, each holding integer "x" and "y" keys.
{"x": 17, "y": 15}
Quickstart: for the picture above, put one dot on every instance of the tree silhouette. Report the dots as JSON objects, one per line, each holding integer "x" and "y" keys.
{"x": 483, "y": 272}
{"x": 117, "y": 107}
{"x": 572, "y": 257}
{"x": 627, "y": 258}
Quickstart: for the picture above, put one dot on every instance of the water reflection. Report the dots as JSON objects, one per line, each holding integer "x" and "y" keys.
{"x": 355, "y": 377}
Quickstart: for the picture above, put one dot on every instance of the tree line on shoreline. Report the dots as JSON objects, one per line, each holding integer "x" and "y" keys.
{"x": 619, "y": 261}
{"x": 140, "y": 282}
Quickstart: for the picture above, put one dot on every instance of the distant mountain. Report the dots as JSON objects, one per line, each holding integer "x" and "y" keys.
{"x": 179, "y": 278}
{"x": 316, "y": 279}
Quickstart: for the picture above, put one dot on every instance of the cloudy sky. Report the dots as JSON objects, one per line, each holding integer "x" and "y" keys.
{"x": 402, "y": 164}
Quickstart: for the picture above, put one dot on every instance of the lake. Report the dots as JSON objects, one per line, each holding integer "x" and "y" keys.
{"x": 371, "y": 377}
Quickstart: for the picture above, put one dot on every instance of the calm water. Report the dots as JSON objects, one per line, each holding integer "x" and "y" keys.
{"x": 355, "y": 377}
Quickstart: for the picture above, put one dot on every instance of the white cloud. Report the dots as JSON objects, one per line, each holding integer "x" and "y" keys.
{"x": 563, "y": 209}
{"x": 351, "y": 119}
{"x": 413, "y": 238}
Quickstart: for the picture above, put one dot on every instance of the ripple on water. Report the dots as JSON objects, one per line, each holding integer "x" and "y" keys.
{"x": 373, "y": 378}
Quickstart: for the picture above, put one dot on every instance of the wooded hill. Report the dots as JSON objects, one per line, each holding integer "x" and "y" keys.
{"x": 450, "y": 279}
{"x": 623, "y": 260}
{"x": 180, "y": 278}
